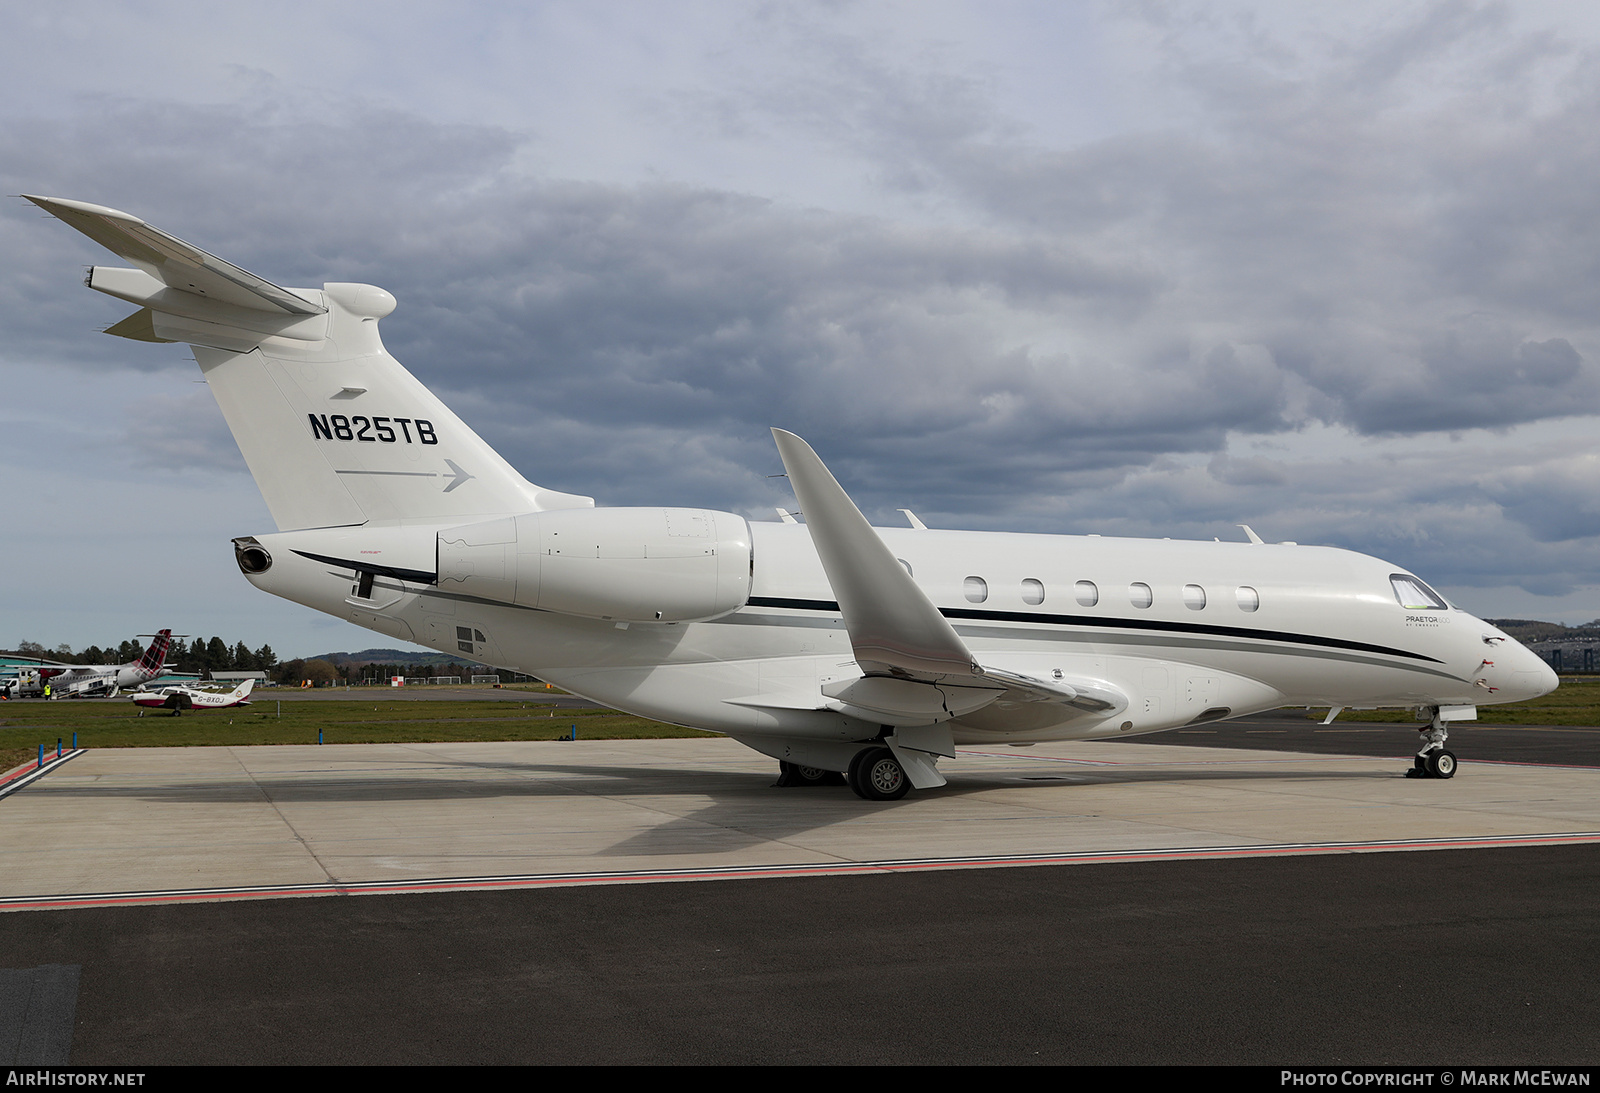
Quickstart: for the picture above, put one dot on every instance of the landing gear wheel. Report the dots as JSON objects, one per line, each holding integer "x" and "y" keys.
{"x": 1441, "y": 764}
{"x": 791, "y": 775}
{"x": 876, "y": 775}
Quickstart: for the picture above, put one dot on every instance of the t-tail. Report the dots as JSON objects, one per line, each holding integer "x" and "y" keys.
{"x": 155, "y": 657}
{"x": 335, "y": 431}
{"x": 391, "y": 512}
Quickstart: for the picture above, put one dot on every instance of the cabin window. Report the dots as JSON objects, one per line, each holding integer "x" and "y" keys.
{"x": 1139, "y": 594}
{"x": 976, "y": 589}
{"x": 1194, "y": 597}
{"x": 1032, "y": 591}
{"x": 1414, "y": 595}
{"x": 1086, "y": 593}
{"x": 1249, "y": 599}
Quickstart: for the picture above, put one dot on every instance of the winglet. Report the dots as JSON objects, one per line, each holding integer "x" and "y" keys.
{"x": 893, "y": 625}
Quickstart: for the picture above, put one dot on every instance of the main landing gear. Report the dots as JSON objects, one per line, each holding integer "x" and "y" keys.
{"x": 1433, "y": 761}
{"x": 876, "y": 775}
{"x": 793, "y": 775}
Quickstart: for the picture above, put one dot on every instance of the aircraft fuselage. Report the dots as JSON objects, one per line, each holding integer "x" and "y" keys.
{"x": 1186, "y": 630}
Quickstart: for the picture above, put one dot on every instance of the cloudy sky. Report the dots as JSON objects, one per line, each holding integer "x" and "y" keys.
{"x": 1128, "y": 268}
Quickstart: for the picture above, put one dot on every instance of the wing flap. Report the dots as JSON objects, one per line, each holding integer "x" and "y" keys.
{"x": 1090, "y": 696}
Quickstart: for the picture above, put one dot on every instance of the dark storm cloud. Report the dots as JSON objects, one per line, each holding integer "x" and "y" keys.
{"x": 626, "y": 311}
{"x": 1384, "y": 237}
{"x": 1344, "y": 208}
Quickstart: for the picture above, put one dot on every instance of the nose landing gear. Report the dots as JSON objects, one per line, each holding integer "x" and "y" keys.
{"x": 1433, "y": 761}
{"x": 1436, "y": 764}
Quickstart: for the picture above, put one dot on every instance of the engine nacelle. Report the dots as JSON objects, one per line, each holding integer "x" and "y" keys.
{"x": 626, "y": 564}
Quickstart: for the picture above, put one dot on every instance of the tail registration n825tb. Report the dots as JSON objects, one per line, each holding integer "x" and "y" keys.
{"x": 832, "y": 646}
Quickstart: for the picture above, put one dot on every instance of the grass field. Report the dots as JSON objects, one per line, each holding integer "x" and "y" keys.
{"x": 1575, "y": 702}
{"x": 114, "y": 723}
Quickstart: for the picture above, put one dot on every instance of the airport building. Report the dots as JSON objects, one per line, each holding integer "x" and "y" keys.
{"x": 1569, "y": 654}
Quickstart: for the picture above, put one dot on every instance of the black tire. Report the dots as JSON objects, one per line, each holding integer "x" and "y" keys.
{"x": 792, "y": 775}
{"x": 876, "y": 775}
{"x": 850, "y": 774}
{"x": 1442, "y": 764}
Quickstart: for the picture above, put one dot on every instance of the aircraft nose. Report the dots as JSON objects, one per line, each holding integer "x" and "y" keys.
{"x": 1530, "y": 676}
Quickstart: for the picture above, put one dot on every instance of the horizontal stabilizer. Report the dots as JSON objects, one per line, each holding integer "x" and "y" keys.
{"x": 893, "y": 625}
{"x": 176, "y": 264}
{"x": 139, "y": 327}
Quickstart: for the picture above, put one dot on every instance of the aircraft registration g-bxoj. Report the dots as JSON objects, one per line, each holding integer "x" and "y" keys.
{"x": 179, "y": 697}
{"x": 831, "y": 646}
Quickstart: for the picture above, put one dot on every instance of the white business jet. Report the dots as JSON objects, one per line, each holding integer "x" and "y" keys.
{"x": 831, "y": 645}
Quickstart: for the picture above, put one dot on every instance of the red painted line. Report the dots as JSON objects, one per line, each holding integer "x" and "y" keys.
{"x": 28, "y": 770}
{"x": 468, "y": 884}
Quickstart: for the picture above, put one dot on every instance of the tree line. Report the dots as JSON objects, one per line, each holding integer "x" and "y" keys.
{"x": 199, "y": 655}
{"x": 203, "y": 657}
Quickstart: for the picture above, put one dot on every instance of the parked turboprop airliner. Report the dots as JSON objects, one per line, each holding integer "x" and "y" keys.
{"x": 829, "y": 645}
{"x": 107, "y": 681}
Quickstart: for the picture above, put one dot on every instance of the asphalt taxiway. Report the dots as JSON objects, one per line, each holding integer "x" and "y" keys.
{"x": 1183, "y": 904}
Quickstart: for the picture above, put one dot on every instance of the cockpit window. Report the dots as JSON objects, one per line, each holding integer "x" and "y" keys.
{"x": 1414, "y": 595}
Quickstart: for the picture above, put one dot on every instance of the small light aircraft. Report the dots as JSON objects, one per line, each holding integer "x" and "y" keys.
{"x": 831, "y": 646}
{"x": 107, "y": 681}
{"x": 180, "y": 697}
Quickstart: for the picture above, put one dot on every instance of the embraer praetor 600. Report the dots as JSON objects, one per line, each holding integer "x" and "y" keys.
{"x": 832, "y": 646}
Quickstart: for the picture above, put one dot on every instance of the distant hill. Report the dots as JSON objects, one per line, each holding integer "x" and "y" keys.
{"x": 1526, "y": 630}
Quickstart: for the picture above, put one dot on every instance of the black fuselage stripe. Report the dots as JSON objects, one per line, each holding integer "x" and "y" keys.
{"x": 967, "y": 613}
{"x": 416, "y": 576}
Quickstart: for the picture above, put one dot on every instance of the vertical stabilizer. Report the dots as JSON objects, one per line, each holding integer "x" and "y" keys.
{"x": 334, "y": 430}
{"x": 155, "y": 657}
